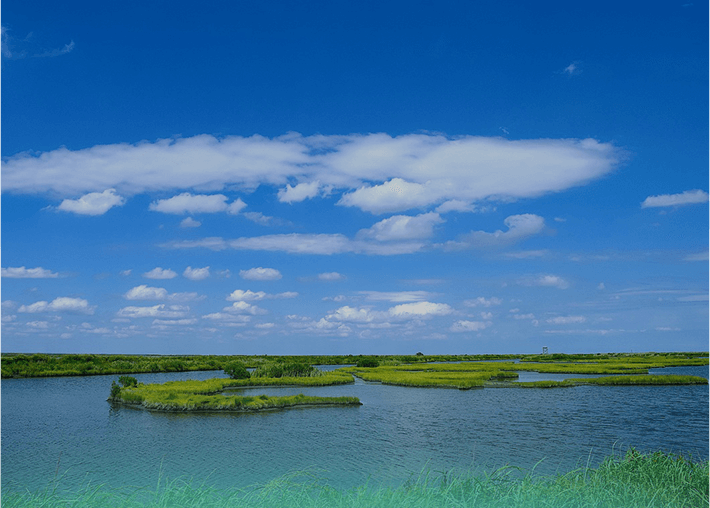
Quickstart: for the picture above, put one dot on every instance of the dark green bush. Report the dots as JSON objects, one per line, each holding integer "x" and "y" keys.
{"x": 236, "y": 370}
{"x": 127, "y": 381}
{"x": 367, "y": 362}
{"x": 115, "y": 390}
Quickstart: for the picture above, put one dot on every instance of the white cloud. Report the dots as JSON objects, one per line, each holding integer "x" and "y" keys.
{"x": 420, "y": 309}
{"x": 403, "y": 227}
{"x": 385, "y": 173}
{"x": 125, "y": 273}
{"x": 330, "y": 276}
{"x": 189, "y": 222}
{"x": 545, "y": 281}
{"x": 482, "y": 302}
{"x": 159, "y": 273}
{"x": 93, "y": 203}
{"x": 265, "y": 326}
{"x": 260, "y": 274}
{"x": 28, "y": 273}
{"x": 693, "y": 298}
{"x": 156, "y": 311}
{"x": 299, "y": 193}
{"x": 240, "y": 295}
{"x": 244, "y": 308}
{"x": 196, "y": 273}
{"x": 469, "y": 326}
{"x": 700, "y": 256}
{"x": 601, "y": 286}
{"x": 398, "y": 296}
{"x": 519, "y": 228}
{"x": 572, "y": 69}
{"x": 523, "y": 316}
{"x": 295, "y": 243}
{"x": 61, "y": 304}
{"x": 689, "y": 197}
{"x": 228, "y": 317}
{"x": 455, "y": 205}
{"x": 286, "y": 294}
{"x": 174, "y": 322}
{"x": 566, "y": 320}
{"x": 526, "y": 254}
{"x": 357, "y": 315}
{"x": 197, "y": 203}
{"x": 144, "y": 292}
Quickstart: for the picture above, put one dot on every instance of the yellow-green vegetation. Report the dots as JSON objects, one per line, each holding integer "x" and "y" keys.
{"x": 207, "y": 395}
{"x": 616, "y": 381}
{"x": 632, "y": 480}
{"x": 467, "y": 375}
{"x": 36, "y": 365}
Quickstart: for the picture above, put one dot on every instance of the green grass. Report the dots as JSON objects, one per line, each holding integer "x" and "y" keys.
{"x": 632, "y": 480}
{"x": 191, "y": 395}
{"x": 15, "y": 365}
{"x": 665, "y": 380}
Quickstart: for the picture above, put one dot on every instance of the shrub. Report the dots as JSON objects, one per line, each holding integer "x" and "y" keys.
{"x": 127, "y": 381}
{"x": 237, "y": 370}
{"x": 115, "y": 390}
{"x": 367, "y": 362}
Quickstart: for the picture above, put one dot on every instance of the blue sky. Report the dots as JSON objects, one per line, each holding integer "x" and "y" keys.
{"x": 354, "y": 178}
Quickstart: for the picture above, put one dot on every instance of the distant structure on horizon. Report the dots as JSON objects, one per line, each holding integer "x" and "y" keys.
{"x": 544, "y": 350}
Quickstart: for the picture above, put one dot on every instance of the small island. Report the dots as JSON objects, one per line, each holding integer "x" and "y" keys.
{"x": 207, "y": 395}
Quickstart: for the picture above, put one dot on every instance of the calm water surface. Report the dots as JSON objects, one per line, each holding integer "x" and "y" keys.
{"x": 64, "y": 427}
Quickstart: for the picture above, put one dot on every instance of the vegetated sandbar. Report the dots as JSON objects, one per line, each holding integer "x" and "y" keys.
{"x": 191, "y": 395}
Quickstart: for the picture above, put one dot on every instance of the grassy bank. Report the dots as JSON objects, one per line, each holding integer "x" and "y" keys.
{"x": 632, "y": 480}
{"x": 615, "y": 381}
{"x": 43, "y": 365}
{"x": 191, "y": 395}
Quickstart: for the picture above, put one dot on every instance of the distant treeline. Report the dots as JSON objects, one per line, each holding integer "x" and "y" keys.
{"x": 16, "y": 365}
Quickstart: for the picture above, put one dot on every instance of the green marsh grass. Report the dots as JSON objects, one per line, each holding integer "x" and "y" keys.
{"x": 647, "y": 380}
{"x": 191, "y": 395}
{"x": 631, "y": 480}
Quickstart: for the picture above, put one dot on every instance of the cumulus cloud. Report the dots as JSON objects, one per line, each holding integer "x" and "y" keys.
{"x": 61, "y": 304}
{"x": 196, "y": 273}
{"x": 242, "y": 307}
{"x": 189, "y": 222}
{"x": 378, "y": 172}
{"x": 330, "y": 276}
{"x": 28, "y": 273}
{"x": 240, "y": 295}
{"x": 260, "y": 274}
{"x": 159, "y": 273}
{"x": 566, "y": 320}
{"x": 469, "y": 326}
{"x": 519, "y": 228}
{"x": 455, "y": 205}
{"x": 93, "y": 203}
{"x": 144, "y": 292}
{"x": 699, "y": 256}
{"x": 403, "y": 227}
{"x": 299, "y": 193}
{"x": 689, "y": 197}
{"x": 156, "y": 311}
{"x": 197, "y": 203}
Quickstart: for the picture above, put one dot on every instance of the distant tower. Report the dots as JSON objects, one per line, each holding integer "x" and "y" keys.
{"x": 544, "y": 350}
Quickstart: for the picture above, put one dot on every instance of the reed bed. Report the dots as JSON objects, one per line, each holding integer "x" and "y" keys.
{"x": 632, "y": 480}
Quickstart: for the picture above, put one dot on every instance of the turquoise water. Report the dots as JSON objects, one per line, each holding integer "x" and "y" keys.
{"x": 63, "y": 427}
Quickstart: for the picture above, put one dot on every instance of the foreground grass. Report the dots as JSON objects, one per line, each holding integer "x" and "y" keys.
{"x": 633, "y": 480}
{"x": 191, "y": 395}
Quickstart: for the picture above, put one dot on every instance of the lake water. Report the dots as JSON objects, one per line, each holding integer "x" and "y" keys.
{"x": 63, "y": 427}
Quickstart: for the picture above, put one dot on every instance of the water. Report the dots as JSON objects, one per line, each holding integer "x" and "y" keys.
{"x": 63, "y": 427}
